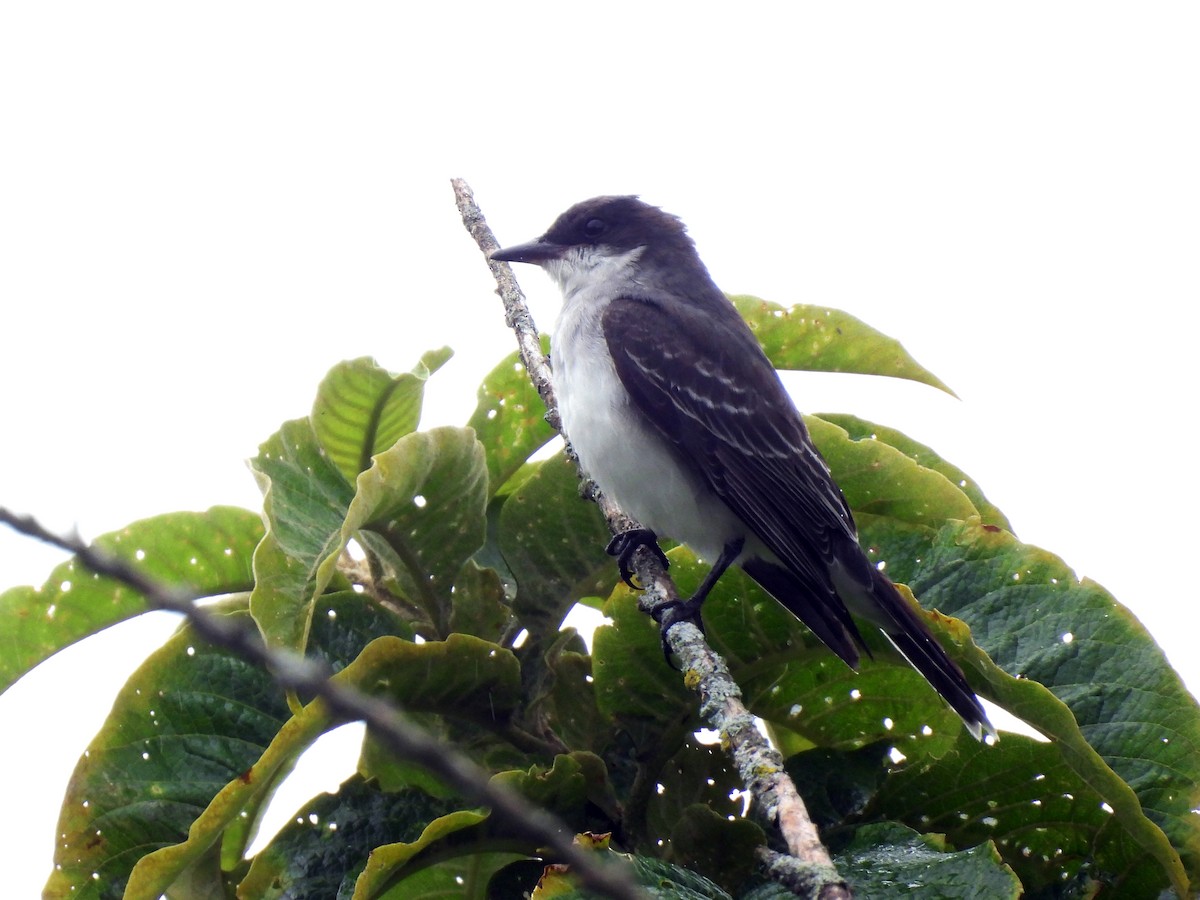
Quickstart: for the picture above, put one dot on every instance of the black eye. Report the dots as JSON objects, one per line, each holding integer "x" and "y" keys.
{"x": 593, "y": 228}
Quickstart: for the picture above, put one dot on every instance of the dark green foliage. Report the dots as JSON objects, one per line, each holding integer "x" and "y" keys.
{"x": 474, "y": 555}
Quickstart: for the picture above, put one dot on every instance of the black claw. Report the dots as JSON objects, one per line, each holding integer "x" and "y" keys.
{"x": 625, "y": 544}
{"x": 670, "y": 614}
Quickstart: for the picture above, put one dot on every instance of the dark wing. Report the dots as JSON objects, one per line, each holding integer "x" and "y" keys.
{"x": 719, "y": 401}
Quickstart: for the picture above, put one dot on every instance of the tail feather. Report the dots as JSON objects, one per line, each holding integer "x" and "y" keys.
{"x": 829, "y": 619}
{"x": 947, "y": 680}
{"x": 912, "y": 637}
{"x": 821, "y": 610}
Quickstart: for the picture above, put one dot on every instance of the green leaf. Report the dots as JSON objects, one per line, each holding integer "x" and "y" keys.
{"x": 573, "y": 788}
{"x": 325, "y": 847}
{"x": 721, "y": 848}
{"x": 1050, "y": 825}
{"x": 658, "y": 879}
{"x": 634, "y": 685}
{"x": 818, "y": 339}
{"x": 837, "y": 785}
{"x": 158, "y": 871}
{"x": 465, "y": 874}
{"x": 510, "y": 418}
{"x": 665, "y": 880}
{"x": 362, "y": 409}
{"x": 346, "y": 622}
{"x": 190, "y": 721}
{"x": 480, "y": 605}
{"x": 1037, "y": 621}
{"x": 880, "y": 480}
{"x": 830, "y": 706}
{"x": 420, "y": 506}
{"x": 305, "y": 502}
{"x": 553, "y": 543}
{"x": 391, "y": 773}
{"x": 203, "y": 553}
{"x": 461, "y": 876}
{"x": 568, "y": 702}
{"x": 794, "y": 682}
{"x": 815, "y": 696}
{"x": 425, "y": 502}
{"x": 464, "y": 677}
{"x": 697, "y": 775}
{"x": 860, "y": 429}
{"x": 202, "y": 880}
{"x": 887, "y": 861}
{"x": 565, "y": 789}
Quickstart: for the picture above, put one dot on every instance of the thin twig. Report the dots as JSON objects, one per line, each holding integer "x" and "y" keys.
{"x": 306, "y": 676}
{"x": 775, "y": 799}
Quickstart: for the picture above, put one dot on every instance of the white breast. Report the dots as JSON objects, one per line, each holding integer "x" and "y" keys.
{"x": 628, "y": 459}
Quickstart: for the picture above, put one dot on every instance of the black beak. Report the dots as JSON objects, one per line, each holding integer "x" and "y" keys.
{"x": 538, "y": 251}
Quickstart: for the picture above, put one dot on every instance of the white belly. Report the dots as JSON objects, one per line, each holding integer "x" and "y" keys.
{"x": 626, "y": 457}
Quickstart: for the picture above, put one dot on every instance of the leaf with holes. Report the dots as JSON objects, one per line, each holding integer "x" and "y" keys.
{"x": 887, "y": 861}
{"x": 881, "y": 480}
{"x": 553, "y": 543}
{"x": 1049, "y": 824}
{"x": 860, "y": 429}
{"x": 473, "y": 846}
{"x": 819, "y": 339}
{"x": 1042, "y": 626}
{"x": 510, "y": 418}
{"x": 326, "y": 846}
{"x": 465, "y": 678}
{"x": 190, "y": 721}
{"x": 204, "y": 554}
{"x": 424, "y": 500}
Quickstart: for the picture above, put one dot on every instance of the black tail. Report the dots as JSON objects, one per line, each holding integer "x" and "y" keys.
{"x": 828, "y": 617}
{"x": 912, "y": 637}
{"x": 817, "y": 607}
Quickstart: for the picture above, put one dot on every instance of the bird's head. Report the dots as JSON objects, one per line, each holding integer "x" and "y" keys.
{"x": 604, "y": 237}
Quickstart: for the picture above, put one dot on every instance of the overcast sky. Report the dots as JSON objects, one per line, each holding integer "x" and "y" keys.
{"x": 204, "y": 208}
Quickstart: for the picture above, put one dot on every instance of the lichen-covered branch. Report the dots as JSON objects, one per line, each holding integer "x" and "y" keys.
{"x": 386, "y": 723}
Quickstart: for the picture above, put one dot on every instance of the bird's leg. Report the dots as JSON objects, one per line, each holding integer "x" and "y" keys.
{"x": 670, "y": 614}
{"x": 625, "y": 544}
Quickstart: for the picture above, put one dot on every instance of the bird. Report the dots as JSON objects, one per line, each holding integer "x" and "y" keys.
{"x": 677, "y": 414}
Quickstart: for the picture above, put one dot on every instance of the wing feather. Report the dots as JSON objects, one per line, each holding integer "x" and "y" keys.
{"x": 721, "y": 403}
{"x": 733, "y": 422}
{"x": 719, "y": 400}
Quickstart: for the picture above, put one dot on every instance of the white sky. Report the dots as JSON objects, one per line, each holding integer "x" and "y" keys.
{"x": 204, "y": 207}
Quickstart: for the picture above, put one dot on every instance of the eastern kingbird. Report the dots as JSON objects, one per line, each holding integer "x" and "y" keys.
{"x": 678, "y": 415}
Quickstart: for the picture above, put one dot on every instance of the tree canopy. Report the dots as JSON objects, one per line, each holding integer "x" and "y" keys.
{"x": 434, "y": 569}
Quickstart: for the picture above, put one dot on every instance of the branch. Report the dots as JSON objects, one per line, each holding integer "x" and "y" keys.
{"x": 387, "y": 724}
{"x": 776, "y": 801}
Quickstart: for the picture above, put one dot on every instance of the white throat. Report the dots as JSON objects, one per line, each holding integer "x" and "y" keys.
{"x": 627, "y": 457}
{"x": 583, "y": 270}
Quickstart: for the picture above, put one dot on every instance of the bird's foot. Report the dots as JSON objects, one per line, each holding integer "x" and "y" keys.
{"x": 672, "y": 613}
{"x": 625, "y": 544}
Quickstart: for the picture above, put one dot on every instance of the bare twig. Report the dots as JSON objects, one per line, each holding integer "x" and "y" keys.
{"x": 405, "y": 739}
{"x": 775, "y": 799}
